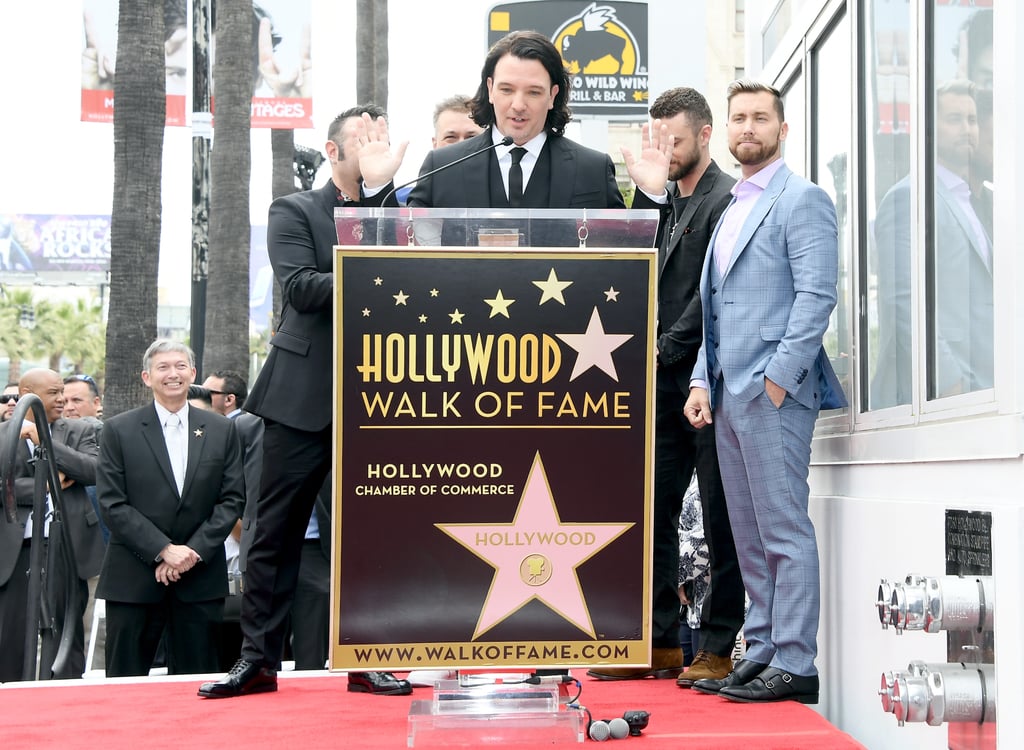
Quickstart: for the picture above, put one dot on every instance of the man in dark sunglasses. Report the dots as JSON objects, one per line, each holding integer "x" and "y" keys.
{"x": 8, "y": 400}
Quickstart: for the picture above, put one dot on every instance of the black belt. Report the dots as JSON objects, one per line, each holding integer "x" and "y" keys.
{"x": 27, "y": 541}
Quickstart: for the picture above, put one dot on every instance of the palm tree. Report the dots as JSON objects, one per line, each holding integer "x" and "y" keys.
{"x": 16, "y": 328}
{"x": 227, "y": 312}
{"x": 74, "y": 332}
{"x": 372, "y": 60}
{"x": 139, "y": 117}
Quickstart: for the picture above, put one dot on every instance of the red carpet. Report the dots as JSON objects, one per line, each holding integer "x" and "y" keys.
{"x": 309, "y": 710}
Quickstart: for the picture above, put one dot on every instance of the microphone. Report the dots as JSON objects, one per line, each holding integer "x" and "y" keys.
{"x": 506, "y": 141}
{"x": 605, "y": 728}
{"x": 554, "y": 679}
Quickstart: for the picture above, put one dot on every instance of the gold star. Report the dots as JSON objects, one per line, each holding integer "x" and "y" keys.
{"x": 378, "y": 281}
{"x": 434, "y": 292}
{"x": 612, "y": 295}
{"x": 456, "y": 316}
{"x": 423, "y": 318}
{"x": 499, "y": 305}
{"x": 400, "y": 298}
{"x": 552, "y": 288}
{"x": 366, "y": 312}
{"x": 198, "y": 433}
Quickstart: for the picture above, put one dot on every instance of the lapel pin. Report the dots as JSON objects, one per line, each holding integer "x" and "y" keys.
{"x": 198, "y": 433}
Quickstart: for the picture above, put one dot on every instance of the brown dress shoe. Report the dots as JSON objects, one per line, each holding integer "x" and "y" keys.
{"x": 665, "y": 663}
{"x": 705, "y": 666}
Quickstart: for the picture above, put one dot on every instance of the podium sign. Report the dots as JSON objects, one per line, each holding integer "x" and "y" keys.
{"x": 493, "y": 470}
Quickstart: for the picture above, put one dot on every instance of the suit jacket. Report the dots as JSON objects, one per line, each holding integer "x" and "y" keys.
{"x": 141, "y": 505}
{"x": 680, "y": 260}
{"x": 301, "y": 235}
{"x": 775, "y": 298}
{"x": 250, "y": 436}
{"x": 580, "y": 177}
{"x": 964, "y": 340}
{"x": 75, "y": 452}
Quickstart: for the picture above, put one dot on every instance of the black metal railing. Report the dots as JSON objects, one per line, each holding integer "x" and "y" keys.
{"x": 42, "y": 639}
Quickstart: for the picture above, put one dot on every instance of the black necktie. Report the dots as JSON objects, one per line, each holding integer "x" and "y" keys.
{"x": 515, "y": 178}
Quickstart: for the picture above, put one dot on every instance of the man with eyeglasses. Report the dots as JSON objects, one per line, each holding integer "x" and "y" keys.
{"x": 227, "y": 391}
{"x": 8, "y": 400}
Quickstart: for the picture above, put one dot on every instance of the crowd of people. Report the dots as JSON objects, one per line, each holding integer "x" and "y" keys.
{"x": 205, "y": 486}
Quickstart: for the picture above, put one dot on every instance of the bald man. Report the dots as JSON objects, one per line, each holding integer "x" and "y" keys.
{"x": 75, "y": 451}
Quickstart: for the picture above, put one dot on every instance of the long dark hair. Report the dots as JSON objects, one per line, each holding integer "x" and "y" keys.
{"x": 527, "y": 45}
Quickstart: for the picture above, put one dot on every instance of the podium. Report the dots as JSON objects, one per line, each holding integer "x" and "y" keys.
{"x": 493, "y": 420}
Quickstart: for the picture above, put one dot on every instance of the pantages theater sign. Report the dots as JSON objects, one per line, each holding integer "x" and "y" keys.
{"x": 493, "y": 470}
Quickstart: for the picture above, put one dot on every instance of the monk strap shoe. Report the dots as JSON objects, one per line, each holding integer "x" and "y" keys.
{"x": 774, "y": 685}
{"x": 742, "y": 673}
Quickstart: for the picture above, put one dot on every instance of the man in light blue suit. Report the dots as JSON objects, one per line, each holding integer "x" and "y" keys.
{"x": 767, "y": 290}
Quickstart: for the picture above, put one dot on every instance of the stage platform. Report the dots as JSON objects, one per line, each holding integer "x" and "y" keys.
{"x": 315, "y": 709}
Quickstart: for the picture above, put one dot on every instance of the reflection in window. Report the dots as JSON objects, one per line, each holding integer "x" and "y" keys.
{"x": 887, "y": 367}
{"x": 959, "y": 290}
{"x": 832, "y": 137}
{"x": 956, "y": 264}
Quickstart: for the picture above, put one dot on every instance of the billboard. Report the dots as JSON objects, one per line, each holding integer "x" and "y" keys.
{"x": 34, "y": 243}
{"x": 604, "y": 46}
{"x": 281, "y": 56}
{"x": 494, "y": 411}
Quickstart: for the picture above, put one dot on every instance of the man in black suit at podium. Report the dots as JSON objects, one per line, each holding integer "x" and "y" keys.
{"x": 523, "y": 95}
{"x": 293, "y": 395}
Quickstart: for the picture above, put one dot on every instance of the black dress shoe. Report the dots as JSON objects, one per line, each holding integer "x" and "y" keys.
{"x": 741, "y": 674}
{"x": 378, "y": 683}
{"x": 774, "y": 685}
{"x": 244, "y": 678}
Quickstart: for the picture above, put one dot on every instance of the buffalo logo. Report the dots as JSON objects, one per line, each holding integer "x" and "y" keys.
{"x": 595, "y": 42}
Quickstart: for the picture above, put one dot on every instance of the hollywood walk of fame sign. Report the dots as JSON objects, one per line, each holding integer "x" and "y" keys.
{"x": 493, "y": 472}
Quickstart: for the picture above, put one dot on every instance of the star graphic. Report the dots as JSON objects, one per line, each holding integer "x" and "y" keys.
{"x": 552, "y": 288}
{"x": 400, "y": 298}
{"x": 499, "y": 305}
{"x": 434, "y": 292}
{"x": 378, "y": 281}
{"x": 366, "y": 312}
{"x": 595, "y": 347}
{"x": 457, "y": 316}
{"x": 198, "y": 433}
{"x": 612, "y": 295}
{"x": 535, "y": 556}
{"x": 423, "y": 318}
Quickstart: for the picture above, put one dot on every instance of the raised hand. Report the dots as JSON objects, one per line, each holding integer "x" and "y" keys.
{"x": 378, "y": 162}
{"x": 650, "y": 171}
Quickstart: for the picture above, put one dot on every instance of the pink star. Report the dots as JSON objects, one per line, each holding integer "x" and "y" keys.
{"x": 595, "y": 347}
{"x": 535, "y": 556}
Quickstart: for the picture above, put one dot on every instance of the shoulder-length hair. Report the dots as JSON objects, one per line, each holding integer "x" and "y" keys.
{"x": 526, "y": 45}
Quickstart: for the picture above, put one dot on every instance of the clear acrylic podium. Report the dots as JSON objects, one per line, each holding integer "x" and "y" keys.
{"x": 474, "y": 713}
{"x": 501, "y": 706}
{"x": 502, "y": 228}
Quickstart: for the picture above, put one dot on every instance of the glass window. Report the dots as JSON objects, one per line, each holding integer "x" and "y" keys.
{"x": 959, "y": 266}
{"x": 833, "y": 118}
{"x": 886, "y": 279}
{"x": 794, "y": 148}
